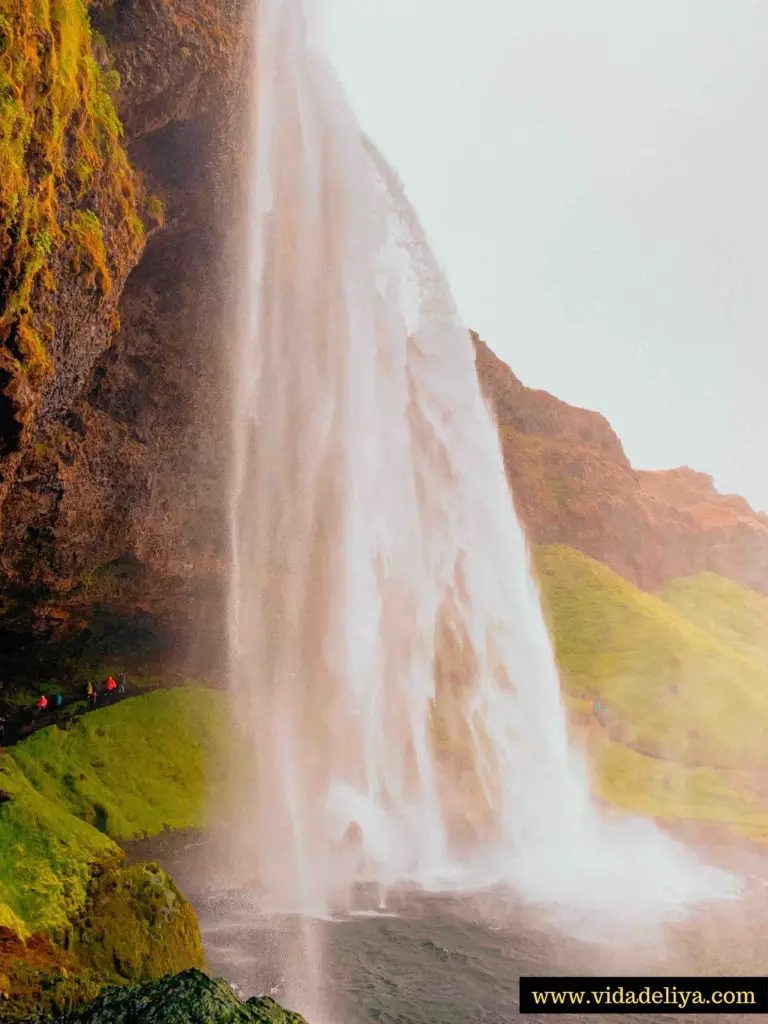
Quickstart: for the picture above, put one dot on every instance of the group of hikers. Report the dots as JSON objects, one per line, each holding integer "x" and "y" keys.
{"x": 111, "y": 687}
{"x": 12, "y": 730}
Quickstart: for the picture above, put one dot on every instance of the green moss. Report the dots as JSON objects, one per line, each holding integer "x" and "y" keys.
{"x": 155, "y": 210}
{"x": 38, "y": 977}
{"x": 12, "y": 921}
{"x": 61, "y": 161}
{"x": 135, "y": 768}
{"x": 673, "y": 690}
{"x": 674, "y": 792}
{"x": 660, "y": 678}
{"x": 89, "y": 250}
{"x": 131, "y": 769}
{"x": 45, "y": 855}
{"x": 137, "y": 926}
{"x": 125, "y": 771}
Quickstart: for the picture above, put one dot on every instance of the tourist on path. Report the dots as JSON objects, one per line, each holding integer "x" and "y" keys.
{"x": 42, "y": 704}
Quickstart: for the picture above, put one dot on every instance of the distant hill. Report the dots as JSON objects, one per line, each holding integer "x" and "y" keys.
{"x": 733, "y": 614}
{"x": 673, "y": 689}
{"x": 573, "y": 484}
{"x": 685, "y": 733}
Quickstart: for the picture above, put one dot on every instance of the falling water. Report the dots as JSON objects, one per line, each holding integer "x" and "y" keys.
{"x": 391, "y": 669}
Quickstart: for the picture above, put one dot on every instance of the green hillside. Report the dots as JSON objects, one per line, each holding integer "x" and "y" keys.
{"x": 686, "y": 726}
{"x": 734, "y": 615}
{"x": 135, "y": 768}
{"x": 129, "y": 770}
{"x": 66, "y": 794}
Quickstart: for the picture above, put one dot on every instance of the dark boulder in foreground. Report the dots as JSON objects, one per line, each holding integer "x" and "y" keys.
{"x": 187, "y": 998}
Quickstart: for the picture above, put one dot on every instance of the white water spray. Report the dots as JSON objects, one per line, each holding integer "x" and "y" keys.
{"x": 390, "y": 664}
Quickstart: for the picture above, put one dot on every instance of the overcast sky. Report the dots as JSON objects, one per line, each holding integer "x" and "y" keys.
{"x": 592, "y": 175}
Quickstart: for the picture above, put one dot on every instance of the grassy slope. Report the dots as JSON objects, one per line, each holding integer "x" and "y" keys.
{"x": 44, "y": 855}
{"x": 732, "y": 614}
{"x": 133, "y": 769}
{"x": 672, "y": 690}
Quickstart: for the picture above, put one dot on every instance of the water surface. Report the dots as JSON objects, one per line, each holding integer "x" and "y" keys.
{"x": 451, "y": 958}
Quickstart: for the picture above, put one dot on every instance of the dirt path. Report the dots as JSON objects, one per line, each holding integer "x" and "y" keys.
{"x": 24, "y": 723}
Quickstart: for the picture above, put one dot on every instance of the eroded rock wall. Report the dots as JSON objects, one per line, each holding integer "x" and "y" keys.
{"x": 113, "y": 472}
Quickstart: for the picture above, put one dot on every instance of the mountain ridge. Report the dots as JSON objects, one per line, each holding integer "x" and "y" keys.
{"x": 573, "y": 484}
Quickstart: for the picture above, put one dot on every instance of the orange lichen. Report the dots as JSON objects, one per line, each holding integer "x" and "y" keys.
{"x": 64, "y": 175}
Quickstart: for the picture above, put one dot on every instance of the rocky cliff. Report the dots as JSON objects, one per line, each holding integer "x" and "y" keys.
{"x": 574, "y": 485}
{"x": 114, "y": 131}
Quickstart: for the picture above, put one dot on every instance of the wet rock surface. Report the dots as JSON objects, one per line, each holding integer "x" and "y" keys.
{"x": 187, "y": 998}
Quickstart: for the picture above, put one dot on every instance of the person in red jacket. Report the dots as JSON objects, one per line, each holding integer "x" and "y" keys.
{"x": 111, "y": 685}
{"x": 42, "y": 704}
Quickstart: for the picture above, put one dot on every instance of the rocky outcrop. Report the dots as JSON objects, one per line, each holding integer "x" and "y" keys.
{"x": 573, "y": 485}
{"x": 175, "y": 58}
{"x": 70, "y": 220}
{"x": 179, "y": 999}
{"x": 136, "y": 927}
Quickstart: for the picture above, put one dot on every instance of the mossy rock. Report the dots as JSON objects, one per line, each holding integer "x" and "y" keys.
{"x": 126, "y": 771}
{"x": 145, "y": 763}
{"x": 187, "y": 998}
{"x": 69, "y": 200}
{"x": 137, "y": 926}
{"x": 38, "y": 977}
{"x": 46, "y": 858}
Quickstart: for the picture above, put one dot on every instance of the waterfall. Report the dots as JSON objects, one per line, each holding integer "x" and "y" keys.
{"x": 391, "y": 671}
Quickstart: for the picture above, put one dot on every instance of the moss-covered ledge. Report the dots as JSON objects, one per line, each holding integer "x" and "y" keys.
{"x": 73, "y": 913}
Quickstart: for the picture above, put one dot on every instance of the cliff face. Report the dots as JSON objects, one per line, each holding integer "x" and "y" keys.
{"x": 573, "y": 485}
{"x": 111, "y": 390}
{"x": 70, "y": 226}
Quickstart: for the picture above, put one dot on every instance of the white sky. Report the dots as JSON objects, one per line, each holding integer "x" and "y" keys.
{"x": 592, "y": 174}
